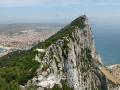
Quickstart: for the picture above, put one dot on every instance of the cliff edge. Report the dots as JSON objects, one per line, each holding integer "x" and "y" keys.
{"x": 69, "y": 61}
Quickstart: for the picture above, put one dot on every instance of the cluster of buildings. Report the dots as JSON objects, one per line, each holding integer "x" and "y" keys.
{"x": 24, "y": 40}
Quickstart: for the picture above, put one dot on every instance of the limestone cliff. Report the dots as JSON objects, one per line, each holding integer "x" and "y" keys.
{"x": 70, "y": 62}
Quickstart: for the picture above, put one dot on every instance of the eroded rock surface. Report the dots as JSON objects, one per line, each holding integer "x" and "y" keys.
{"x": 70, "y": 63}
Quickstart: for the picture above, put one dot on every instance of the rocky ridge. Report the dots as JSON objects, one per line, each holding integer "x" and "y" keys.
{"x": 71, "y": 62}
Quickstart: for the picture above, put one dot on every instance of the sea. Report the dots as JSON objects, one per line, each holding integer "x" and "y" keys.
{"x": 107, "y": 40}
{"x": 1, "y": 50}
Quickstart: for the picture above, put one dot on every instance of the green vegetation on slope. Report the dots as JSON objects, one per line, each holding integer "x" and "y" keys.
{"x": 19, "y": 66}
{"x": 18, "y": 70}
{"x": 66, "y": 31}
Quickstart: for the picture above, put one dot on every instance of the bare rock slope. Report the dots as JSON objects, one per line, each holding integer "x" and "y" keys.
{"x": 70, "y": 62}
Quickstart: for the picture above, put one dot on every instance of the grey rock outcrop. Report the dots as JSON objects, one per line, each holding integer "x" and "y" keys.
{"x": 70, "y": 63}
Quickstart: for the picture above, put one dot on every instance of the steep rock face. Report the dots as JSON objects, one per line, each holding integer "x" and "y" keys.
{"x": 70, "y": 63}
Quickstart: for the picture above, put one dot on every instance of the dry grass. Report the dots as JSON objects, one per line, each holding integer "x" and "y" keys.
{"x": 112, "y": 74}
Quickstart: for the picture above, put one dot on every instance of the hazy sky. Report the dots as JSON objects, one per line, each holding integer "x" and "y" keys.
{"x": 60, "y": 11}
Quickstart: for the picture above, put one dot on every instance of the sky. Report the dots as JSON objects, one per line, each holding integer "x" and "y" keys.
{"x": 58, "y": 11}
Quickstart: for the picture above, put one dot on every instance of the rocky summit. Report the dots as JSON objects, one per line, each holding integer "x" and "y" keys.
{"x": 68, "y": 60}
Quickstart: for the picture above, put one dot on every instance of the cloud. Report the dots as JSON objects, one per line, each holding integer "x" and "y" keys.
{"x": 33, "y": 1}
{"x": 21, "y": 3}
{"x": 12, "y": 3}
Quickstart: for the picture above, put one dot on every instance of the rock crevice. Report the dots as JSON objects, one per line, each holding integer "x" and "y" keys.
{"x": 71, "y": 62}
